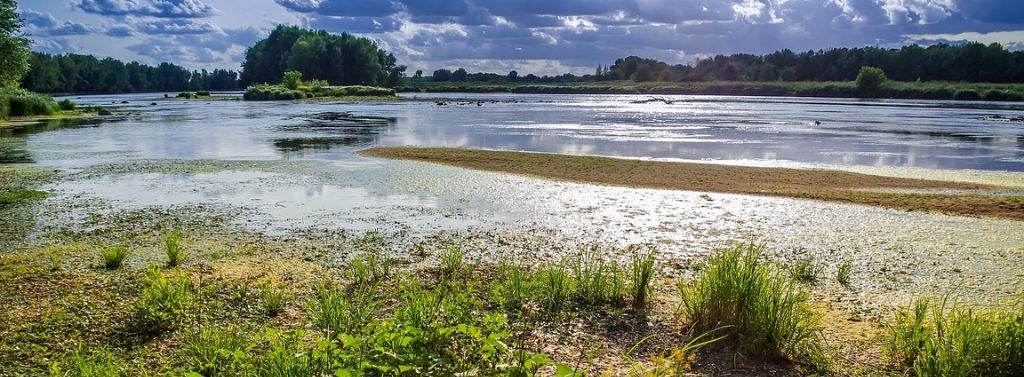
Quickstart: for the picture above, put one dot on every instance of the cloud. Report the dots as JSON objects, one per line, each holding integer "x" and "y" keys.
{"x": 152, "y": 8}
{"x": 342, "y": 8}
{"x": 45, "y": 24}
{"x": 173, "y": 26}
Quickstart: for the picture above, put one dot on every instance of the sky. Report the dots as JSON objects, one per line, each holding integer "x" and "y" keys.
{"x": 530, "y": 36}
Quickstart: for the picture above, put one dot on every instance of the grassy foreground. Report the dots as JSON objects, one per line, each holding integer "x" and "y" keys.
{"x": 840, "y": 89}
{"x": 825, "y": 185}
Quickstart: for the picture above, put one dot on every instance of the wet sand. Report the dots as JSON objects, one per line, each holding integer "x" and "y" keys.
{"x": 968, "y": 199}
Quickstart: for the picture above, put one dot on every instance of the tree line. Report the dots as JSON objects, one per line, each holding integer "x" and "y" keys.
{"x": 74, "y": 73}
{"x": 338, "y": 59}
{"x": 462, "y": 75}
{"x": 969, "y": 62}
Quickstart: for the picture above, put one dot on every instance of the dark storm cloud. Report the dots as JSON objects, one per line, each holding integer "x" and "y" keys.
{"x": 153, "y": 8}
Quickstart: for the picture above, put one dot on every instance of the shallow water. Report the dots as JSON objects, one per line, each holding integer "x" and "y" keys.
{"x": 309, "y": 176}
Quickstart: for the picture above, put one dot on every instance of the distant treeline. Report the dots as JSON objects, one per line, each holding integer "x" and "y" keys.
{"x": 970, "y": 62}
{"x": 338, "y": 59}
{"x": 73, "y": 73}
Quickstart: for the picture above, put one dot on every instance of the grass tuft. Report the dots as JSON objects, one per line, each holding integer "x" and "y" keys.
{"x": 951, "y": 339}
{"x": 370, "y": 267}
{"x": 453, "y": 260}
{"x": 273, "y": 298}
{"x": 596, "y": 281}
{"x": 172, "y": 248}
{"x": 338, "y": 312}
{"x": 806, "y": 270}
{"x": 643, "y": 272}
{"x": 165, "y": 300}
{"x": 82, "y": 363}
{"x": 844, "y": 272}
{"x": 754, "y": 302}
{"x": 218, "y": 351}
{"x": 114, "y": 256}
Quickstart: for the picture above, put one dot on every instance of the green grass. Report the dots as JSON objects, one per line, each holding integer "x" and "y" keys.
{"x": 172, "y": 248}
{"x": 13, "y": 197}
{"x": 218, "y": 351}
{"x": 336, "y": 311}
{"x": 370, "y": 267}
{"x": 755, "y": 302}
{"x": 114, "y": 256}
{"x": 273, "y": 298}
{"x": 951, "y": 339}
{"x": 844, "y": 272}
{"x": 267, "y": 92}
{"x": 165, "y": 300}
{"x": 805, "y": 270}
{"x": 596, "y": 281}
{"x": 643, "y": 272}
{"x": 88, "y": 363}
{"x": 453, "y": 259}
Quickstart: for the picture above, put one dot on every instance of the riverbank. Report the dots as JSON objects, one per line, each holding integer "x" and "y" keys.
{"x": 890, "y": 192}
{"x": 842, "y": 89}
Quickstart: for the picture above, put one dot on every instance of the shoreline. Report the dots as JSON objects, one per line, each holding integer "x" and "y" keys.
{"x": 825, "y": 185}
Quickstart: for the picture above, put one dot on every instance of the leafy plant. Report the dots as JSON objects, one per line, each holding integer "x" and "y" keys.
{"x": 114, "y": 256}
{"x": 172, "y": 248}
{"x": 218, "y": 351}
{"x": 165, "y": 299}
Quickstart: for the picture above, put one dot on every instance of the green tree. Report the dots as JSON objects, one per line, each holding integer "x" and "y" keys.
{"x": 442, "y": 75}
{"x": 643, "y": 73}
{"x": 870, "y": 79}
{"x": 459, "y": 74}
{"x": 14, "y": 53}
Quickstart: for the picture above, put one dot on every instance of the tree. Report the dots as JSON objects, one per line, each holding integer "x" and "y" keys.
{"x": 419, "y": 73}
{"x": 459, "y": 74}
{"x": 14, "y": 53}
{"x": 513, "y": 76}
{"x": 870, "y": 79}
{"x": 666, "y": 76}
{"x": 643, "y": 73}
{"x": 442, "y": 75}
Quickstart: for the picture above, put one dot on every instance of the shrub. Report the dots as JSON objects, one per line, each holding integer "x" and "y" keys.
{"x": 954, "y": 340}
{"x": 164, "y": 300}
{"x": 203, "y": 94}
{"x": 292, "y": 79}
{"x": 66, "y": 105}
{"x": 172, "y": 248}
{"x": 81, "y": 363}
{"x": 24, "y": 103}
{"x": 114, "y": 255}
{"x": 755, "y": 302}
{"x": 186, "y": 95}
{"x": 218, "y": 351}
{"x": 869, "y": 79}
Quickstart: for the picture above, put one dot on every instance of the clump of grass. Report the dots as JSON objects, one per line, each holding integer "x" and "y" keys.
{"x": 287, "y": 357}
{"x": 642, "y": 268}
{"x": 754, "y": 302}
{"x": 66, "y": 105}
{"x": 453, "y": 260}
{"x": 805, "y": 270}
{"x": 114, "y": 256}
{"x": 596, "y": 281}
{"x": 165, "y": 300}
{"x": 81, "y": 363}
{"x": 951, "y": 339}
{"x": 514, "y": 285}
{"x": 172, "y": 248}
{"x": 338, "y": 312}
{"x": 54, "y": 258}
{"x": 369, "y": 268}
{"x": 554, "y": 287}
{"x": 273, "y": 298}
{"x": 218, "y": 351}
{"x": 844, "y": 272}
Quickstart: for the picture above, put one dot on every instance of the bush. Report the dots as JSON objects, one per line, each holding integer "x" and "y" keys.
{"x": 282, "y": 93}
{"x": 203, "y": 94}
{"x": 292, "y": 79}
{"x": 186, "y": 95}
{"x": 66, "y": 105}
{"x": 954, "y": 340}
{"x": 869, "y": 79}
{"x": 164, "y": 300}
{"x": 24, "y": 103}
{"x": 755, "y": 302}
{"x": 114, "y": 255}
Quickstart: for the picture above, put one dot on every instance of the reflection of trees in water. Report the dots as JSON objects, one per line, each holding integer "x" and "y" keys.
{"x": 332, "y": 129}
{"x": 14, "y": 140}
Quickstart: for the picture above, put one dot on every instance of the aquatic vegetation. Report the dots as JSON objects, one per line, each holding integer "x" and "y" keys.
{"x": 172, "y": 248}
{"x": 951, "y": 339}
{"x": 266, "y": 92}
{"x": 114, "y": 256}
{"x": 453, "y": 260}
{"x": 88, "y": 363}
{"x": 165, "y": 300}
{"x": 755, "y": 302}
